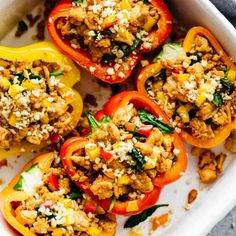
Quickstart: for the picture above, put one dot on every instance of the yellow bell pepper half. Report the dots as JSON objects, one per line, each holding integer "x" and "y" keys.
{"x": 46, "y": 52}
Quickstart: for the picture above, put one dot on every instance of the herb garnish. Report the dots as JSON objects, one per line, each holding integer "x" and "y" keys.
{"x": 107, "y": 58}
{"x": 130, "y": 49}
{"x": 136, "y": 219}
{"x": 217, "y": 99}
{"x": 59, "y": 73}
{"x": 78, "y": 1}
{"x": 225, "y": 83}
{"x": 139, "y": 158}
{"x": 112, "y": 204}
{"x": 148, "y": 118}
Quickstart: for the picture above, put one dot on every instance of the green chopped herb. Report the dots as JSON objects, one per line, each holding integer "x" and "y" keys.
{"x": 34, "y": 76}
{"x": 107, "y": 58}
{"x": 227, "y": 71}
{"x": 56, "y": 73}
{"x": 37, "y": 210}
{"x": 75, "y": 195}
{"x": 20, "y": 77}
{"x": 52, "y": 216}
{"x": 106, "y": 32}
{"x": 112, "y": 204}
{"x": 175, "y": 158}
{"x": 78, "y": 1}
{"x": 218, "y": 99}
{"x": 146, "y": 1}
{"x": 130, "y": 49}
{"x": 136, "y": 219}
{"x": 139, "y": 158}
{"x": 148, "y": 118}
{"x": 225, "y": 83}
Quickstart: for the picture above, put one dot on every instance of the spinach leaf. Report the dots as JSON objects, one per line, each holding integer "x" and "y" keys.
{"x": 75, "y": 195}
{"x": 218, "y": 99}
{"x": 107, "y": 58}
{"x": 148, "y": 118}
{"x": 52, "y": 216}
{"x": 225, "y": 83}
{"x": 106, "y": 32}
{"x": 37, "y": 210}
{"x": 131, "y": 48}
{"x": 139, "y": 158}
{"x": 227, "y": 71}
{"x": 136, "y": 219}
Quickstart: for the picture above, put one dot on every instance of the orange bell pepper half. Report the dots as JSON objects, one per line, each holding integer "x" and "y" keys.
{"x": 14, "y": 194}
{"x": 154, "y": 68}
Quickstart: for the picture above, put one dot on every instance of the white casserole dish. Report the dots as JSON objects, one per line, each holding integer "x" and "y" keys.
{"x": 213, "y": 201}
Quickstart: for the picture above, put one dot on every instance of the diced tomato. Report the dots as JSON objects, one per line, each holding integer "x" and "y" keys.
{"x": 145, "y": 130}
{"x": 53, "y": 182}
{"x": 105, "y": 155}
{"x": 179, "y": 69}
{"x": 89, "y": 207}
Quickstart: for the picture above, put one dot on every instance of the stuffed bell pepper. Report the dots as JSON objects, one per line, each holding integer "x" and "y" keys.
{"x": 37, "y": 99}
{"x": 194, "y": 83}
{"x": 129, "y": 152}
{"x": 42, "y": 200}
{"x": 107, "y": 38}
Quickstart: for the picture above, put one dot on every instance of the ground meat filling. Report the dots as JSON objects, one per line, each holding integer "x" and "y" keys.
{"x": 197, "y": 90}
{"x": 33, "y": 103}
{"x": 121, "y": 157}
{"x": 61, "y": 212}
{"x": 109, "y": 29}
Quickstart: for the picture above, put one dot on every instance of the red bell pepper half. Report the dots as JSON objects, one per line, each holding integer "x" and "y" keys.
{"x": 140, "y": 101}
{"x": 84, "y": 58}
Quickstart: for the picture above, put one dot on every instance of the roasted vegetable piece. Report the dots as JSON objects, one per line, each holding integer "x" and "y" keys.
{"x": 31, "y": 207}
{"x": 134, "y": 171}
{"x": 194, "y": 83}
{"x": 109, "y": 46}
{"x": 37, "y": 99}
